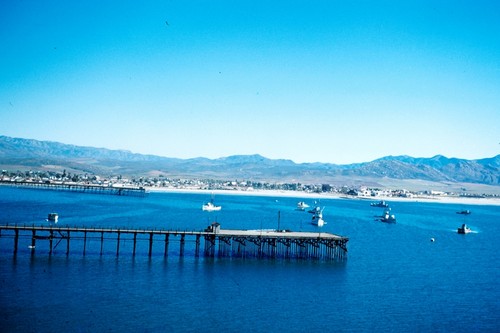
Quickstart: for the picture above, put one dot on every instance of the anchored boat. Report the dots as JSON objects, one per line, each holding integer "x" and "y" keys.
{"x": 388, "y": 217}
{"x": 301, "y": 205}
{"x": 317, "y": 218}
{"x": 53, "y": 217}
{"x": 464, "y": 229}
{"x": 381, "y": 203}
{"x": 210, "y": 206}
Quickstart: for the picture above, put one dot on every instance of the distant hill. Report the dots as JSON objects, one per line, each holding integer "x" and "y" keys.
{"x": 26, "y": 154}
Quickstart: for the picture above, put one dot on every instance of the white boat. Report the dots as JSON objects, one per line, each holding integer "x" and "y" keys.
{"x": 317, "y": 218}
{"x": 388, "y": 217}
{"x": 210, "y": 206}
{"x": 302, "y": 205}
{"x": 464, "y": 229}
{"x": 53, "y": 217}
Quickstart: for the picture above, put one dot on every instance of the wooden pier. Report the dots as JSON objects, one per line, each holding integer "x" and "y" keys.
{"x": 217, "y": 242}
{"x": 78, "y": 187}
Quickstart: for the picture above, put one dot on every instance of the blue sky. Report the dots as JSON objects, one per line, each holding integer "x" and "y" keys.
{"x": 311, "y": 81}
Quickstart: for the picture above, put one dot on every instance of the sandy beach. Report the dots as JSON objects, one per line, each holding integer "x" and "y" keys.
{"x": 303, "y": 195}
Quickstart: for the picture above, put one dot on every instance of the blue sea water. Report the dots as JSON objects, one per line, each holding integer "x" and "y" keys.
{"x": 394, "y": 279}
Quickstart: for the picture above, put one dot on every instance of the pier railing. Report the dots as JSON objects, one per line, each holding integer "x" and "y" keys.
{"x": 217, "y": 242}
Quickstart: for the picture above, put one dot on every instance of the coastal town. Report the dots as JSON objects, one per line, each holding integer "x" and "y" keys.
{"x": 249, "y": 187}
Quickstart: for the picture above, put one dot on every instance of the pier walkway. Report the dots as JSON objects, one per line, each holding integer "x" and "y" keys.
{"x": 217, "y": 242}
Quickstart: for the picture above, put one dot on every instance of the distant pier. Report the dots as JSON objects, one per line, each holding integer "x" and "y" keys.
{"x": 217, "y": 242}
{"x": 76, "y": 187}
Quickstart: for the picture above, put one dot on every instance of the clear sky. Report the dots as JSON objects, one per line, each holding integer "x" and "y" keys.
{"x": 310, "y": 81}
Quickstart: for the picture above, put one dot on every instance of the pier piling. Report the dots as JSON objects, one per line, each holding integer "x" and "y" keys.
{"x": 84, "y": 242}
{"x": 135, "y": 243}
{"x": 150, "y": 244}
{"x": 33, "y": 241}
{"x": 67, "y": 243}
{"x": 197, "y": 248}
{"x": 118, "y": 243}
{"x": 16, "y": 240}
{"x": 165, "y": 254}
{"x": 51, "y": 239}
{"x": 102, "y": 240}
{"x": 183, "y": 243}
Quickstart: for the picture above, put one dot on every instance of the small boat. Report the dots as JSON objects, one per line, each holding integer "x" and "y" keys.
{"x": 317, "y": 218}
{"x": 302, "y": 205}
{"x": 464, "y": 212}
{"x": 315, "y": 210}
{"x": 381, "y": 203}
{"x": 388, "y": 217}
{"x": 464, "y": 229}
{"x": 53, "y": 217}
{"x": 210, "y": 206}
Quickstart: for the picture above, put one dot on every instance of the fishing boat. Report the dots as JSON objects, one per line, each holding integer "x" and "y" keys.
{"x": 464, "y": 212}
{"x": 53, "y": 217}
{"x": 388, "y": 217}
{"x": 381, "y": 203}
{"x": 317, "y": 218}
{"x": 210, "y": 206}
{"x": 464, "y": 229}
{"x": 301, "y": 205}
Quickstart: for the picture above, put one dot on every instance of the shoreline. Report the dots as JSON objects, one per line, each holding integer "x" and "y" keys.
{"x": 301, "y": 195}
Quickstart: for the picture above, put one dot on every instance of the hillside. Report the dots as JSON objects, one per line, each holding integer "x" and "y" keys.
{"x": 27, "y": 154}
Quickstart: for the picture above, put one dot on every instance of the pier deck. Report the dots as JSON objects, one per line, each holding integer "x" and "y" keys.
{"x": 217, "y": 242}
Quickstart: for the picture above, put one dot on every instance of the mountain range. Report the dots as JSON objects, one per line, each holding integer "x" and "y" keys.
{"x": 28, "y": 154}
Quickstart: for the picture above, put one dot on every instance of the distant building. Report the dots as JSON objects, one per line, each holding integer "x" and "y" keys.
{"x": 437, "y": 192}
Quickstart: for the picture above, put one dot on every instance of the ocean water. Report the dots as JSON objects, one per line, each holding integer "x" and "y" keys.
{"x": 394, "y": 279}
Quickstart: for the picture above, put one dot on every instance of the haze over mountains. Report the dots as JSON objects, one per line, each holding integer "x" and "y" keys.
{"x": 26, "y": 154}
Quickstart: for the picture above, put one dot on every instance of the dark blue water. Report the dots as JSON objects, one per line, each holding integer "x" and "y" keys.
{"x": 394, "y": 279}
